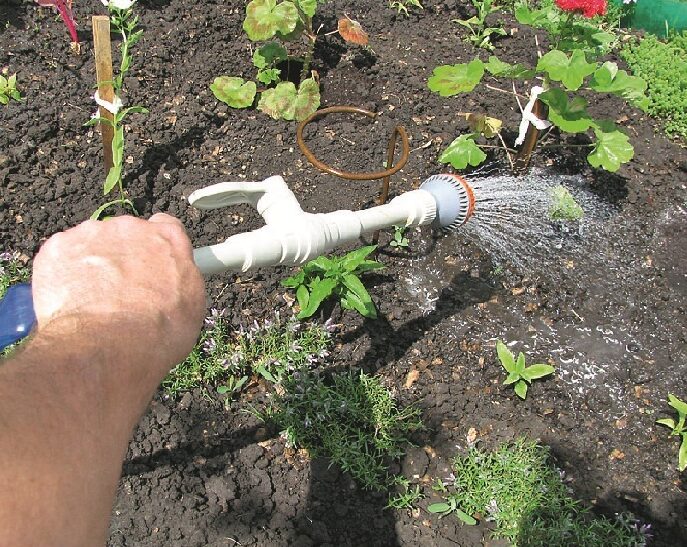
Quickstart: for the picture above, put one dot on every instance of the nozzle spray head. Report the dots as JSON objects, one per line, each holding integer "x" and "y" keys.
{"x": 455, "y": 200}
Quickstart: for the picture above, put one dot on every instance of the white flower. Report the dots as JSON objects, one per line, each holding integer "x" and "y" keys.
{"x": 119, "y": 4}
{"x": 629, "y": 1}
{"x": 529, "y": 118}
{"x": 112, "y": 107}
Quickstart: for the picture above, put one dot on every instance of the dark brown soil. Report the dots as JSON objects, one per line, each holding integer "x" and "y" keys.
{"x": 196, "y": 474}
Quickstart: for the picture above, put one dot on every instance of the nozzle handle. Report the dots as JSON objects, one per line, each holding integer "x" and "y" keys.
{"x": 17, "y": 317}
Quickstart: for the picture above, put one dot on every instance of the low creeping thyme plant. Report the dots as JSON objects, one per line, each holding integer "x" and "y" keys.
{"x": 335, "y": 276}
{"x": 569, "y": 66}
{"x": 225, "y": 359}
{"x": 125, "y": 23}
{"x": 286, "y": 21}
{"x": 525, "y": 497}
{"x": 352, "y": 419}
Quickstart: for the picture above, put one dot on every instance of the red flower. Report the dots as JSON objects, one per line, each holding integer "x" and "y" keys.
{"x": 588, "y": 8}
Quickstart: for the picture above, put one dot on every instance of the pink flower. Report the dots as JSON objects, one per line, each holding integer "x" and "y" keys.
{"x": 588, "y": 8}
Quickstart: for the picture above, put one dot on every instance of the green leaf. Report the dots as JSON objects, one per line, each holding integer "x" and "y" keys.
{"x": 611, "y": 149}
{"x": 677, "y": 404}
{"x": 540, "y": 18}
{"x": 570, "y": 71}
{"x": 440, "y": 507}
{"x": 368, "y": 265}
{"x": 268, "y": 75}
{"x": 295, "y": 280}
{"x": 505, "y": 356}
{"x": 521, "y": 389}
{"x": 322, "y": 263}
{"x": 234, "y": 91}
{"x": 223, "y": 389}
{"x": 608, "y": 79}
{"x": 668, "y": 422}
{"x": 448, "y": 80}
{"x": 318, "y": 293}
{"x": 98, "y": 119}
{"x": 462, "y": 152}
{"x": 682, "y": 454}
{"x": 537, "y": 371}
{"x": 498, "y": 68}
{"x": 307, "y": 100}
{"x": 354, "y": 259}
{"x": 112, "y": 179}
{"x": 467, "y": 519}
{"x": 563, "y": 205}
{"x": 520, "y": 363}
{"x": 269, "y": 54}
{"x": 356, "y": 286}
{"x": 264, "y": 18}
{"x": 512, "y": 378}
{"x": 364, "y": 308}
{"x": 569, "y": 116}
{"x": 266, "y": 374}
{"x": 303, "y": 296}
{"x": 308, "y": 7}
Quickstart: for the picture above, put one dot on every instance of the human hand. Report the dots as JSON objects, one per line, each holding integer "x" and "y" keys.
{"x": 129, "y": 283}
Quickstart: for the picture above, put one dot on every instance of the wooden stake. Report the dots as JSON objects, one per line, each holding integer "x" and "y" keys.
{"x": 103, "y": 71}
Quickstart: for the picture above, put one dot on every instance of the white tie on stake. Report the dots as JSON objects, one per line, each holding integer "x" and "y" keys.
{"x": 528, "y": 116}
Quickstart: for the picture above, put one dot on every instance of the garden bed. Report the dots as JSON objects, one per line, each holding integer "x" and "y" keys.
{"x": 608, "y": 308}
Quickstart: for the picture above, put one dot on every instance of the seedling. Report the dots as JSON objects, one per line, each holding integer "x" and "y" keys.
{"x": 480, "y": 34}
{"x": 8, "y": 89}
{"x": 64, "y": 8}
{"x": 125, "y": 23}
{"x": 678, "y": 428}
{"x": 288, "y": 20}
{"x": 569, "y": 66}
{"x": 324, "y": 277}
{"x": 563, "y": 205}
{"x": 445, "y": 508}
{"x": 402, "y": 6}
{"x": 518, "y": 373}
{"x": 400, "y": 240}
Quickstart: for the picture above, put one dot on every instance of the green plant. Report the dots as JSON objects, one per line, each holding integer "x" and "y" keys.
{"x": 663, "y": 64}
{"x": 287, "y": 21}
{"x": 400, "y": 240}
{"x": 518, "y": 373}
{"x": 352, "y": 419}
{"x": 123, "y": 22}
{"x": 407, "y": 498}
{"x": 401, "y": 6}
{"x": 226, "y": 358}
{"x": 336, "y": 276}
{"x": 480, "y": 34}
{"x": 8, "y": 88}
{"x": 12, "y": 270}
{"x": 563, "y": 205}
{"x": 524, "y": 496}
{"x": 678, "y": 428}
{"x": 569, "y": 66}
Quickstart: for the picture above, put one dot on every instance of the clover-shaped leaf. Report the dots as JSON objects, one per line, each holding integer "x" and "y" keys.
{"x": 269, "y": 54}
{"x": 264, "y": 18}
{"x": 286, "y": 102}
{"x": 234, "y": 91}
{"x": 462, "y": 152}
{"x": 448, "y": 80}
{"x": 570, "y": 116}
{"x": 570, "y": 71}
{"x": 612, "y": 147}
{"x": 496, "y": 67}
{"x": 608, "y": 79}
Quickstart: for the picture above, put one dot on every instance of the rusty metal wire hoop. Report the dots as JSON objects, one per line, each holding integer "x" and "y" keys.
{"x": 399, "y": 131}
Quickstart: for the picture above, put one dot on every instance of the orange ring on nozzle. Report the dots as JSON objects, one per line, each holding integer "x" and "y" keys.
{"x": 470, "y": 192}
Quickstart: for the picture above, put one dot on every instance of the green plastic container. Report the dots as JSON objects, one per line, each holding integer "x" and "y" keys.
{"x": 653, "y": 15}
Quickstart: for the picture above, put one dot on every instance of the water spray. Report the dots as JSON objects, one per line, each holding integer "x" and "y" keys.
{"x": 290, "y": 235}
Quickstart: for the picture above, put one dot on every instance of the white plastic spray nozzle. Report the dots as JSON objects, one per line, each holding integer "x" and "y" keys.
{"x": 292, "y": 236}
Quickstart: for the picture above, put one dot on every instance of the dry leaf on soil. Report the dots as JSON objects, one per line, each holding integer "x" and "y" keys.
{"x": 352, "y": 31}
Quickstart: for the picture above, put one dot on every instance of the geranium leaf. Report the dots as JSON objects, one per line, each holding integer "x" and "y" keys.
{"x": 608, "y": 79}
{"x": 612, "y": 147}
{"x": 307, "y": 99}
{"x": 264, "y": 18}
{"x": 352, "y": 31}
{"x": 570, "y": 116}
{"x": 498, "y": 68}
{"x": 448, "y": 80}
{"x": 269, "y": 55}
{"x": 570, "y": 71}
{"x": 462, "y": 152}
{"x": 308, "y": 7}
{"x": 279, "y": 102}
{"x": 268, "y": 75}
{"x": 234, "y": 91}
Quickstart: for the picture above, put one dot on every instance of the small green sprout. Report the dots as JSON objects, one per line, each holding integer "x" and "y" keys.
{"x": 8, "y": 89}
{"x": 451, "y": 506}
{"x": 563, "y": 205}
{"x": 678, "y": 428}
{"x": 399, "y": 237}
{"x": 518, "y": 373}
{"x": 337, "y": 276}
{"x": 480, "y": 33}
